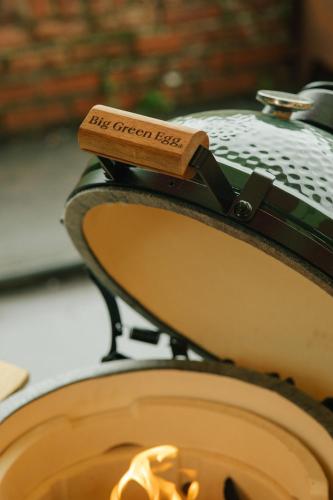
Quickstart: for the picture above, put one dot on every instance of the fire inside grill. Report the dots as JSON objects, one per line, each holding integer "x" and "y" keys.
{"x": 143, "y": 474}
{"x": 143, "y": 471}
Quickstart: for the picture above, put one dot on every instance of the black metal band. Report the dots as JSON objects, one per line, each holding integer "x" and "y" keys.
{"x": 204, "y": 161}
{"x": 267, "y": 222}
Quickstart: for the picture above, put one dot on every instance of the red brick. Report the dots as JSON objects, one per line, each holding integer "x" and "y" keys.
{"x": 272, "y": 29}
{"x": 109, "y": 23}
{"x": 239, "y": 33}
{"x": 112, "y": 49}
{"x": 159, "y": 44}
{"x": 187, "y": 63}
{"x": 128, "y": 21}
{"x": 82, "y": 105}
{"x": 190, "y": 13}
{"x": 144, "y": 72}
{"x": 234, "y": 34}
{"x": 69, "y": 7}
{"x": 69, "y": 85}
{"x": 8, "y": 9}
{"x": 49, "y": 88}
{"x": 253, "y": 5}
{"x": 12, "y": 93}
{"x": 25, "y": 62}
{"x": 119, "y": 76}
{"x": 179, "y": 4}
{"x": 133, "y": 17}
{"x": 187, "y": 93}
{"x": 55, "y": 29}
{"x": 100, "y": 7}
{"x": 216, "y": 87}
{"x": 169, "y": 93}
{"x": 35, "y": 117}
{"x": 12, "y": 37}
{"x": 53, "y": 57}
{"x": 257, "y": 56}
{"x": 88, "y": 51}
{"x": 216, "y": 61}
{"x": 83, "y": 52}
{"x": 118, "y": 11}
{"x": 11, "y": 9}
{"x": 203, "y": 41}
{"x": 127, "y": 100}
{"x": 40, "y": 8}
{"x": 62, "y": 57}
{"x": 115, "y": 48}
{"x": 139, "y": 74}
{"x": 138, "y": 15}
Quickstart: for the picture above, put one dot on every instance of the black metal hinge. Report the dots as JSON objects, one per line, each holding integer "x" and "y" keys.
{"x": 241, "y": 207}
{"x": 204, "y": 162}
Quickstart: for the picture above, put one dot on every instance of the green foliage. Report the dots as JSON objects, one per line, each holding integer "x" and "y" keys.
{"x": 107, "y": 87}
{"x": 154, "y": 103}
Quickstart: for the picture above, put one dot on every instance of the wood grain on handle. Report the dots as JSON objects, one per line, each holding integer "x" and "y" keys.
{"x": 139, "y": 140}
{"x": 12, "y": 378}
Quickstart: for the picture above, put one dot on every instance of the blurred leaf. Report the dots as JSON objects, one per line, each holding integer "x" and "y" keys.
{"x": 154, "y": 102}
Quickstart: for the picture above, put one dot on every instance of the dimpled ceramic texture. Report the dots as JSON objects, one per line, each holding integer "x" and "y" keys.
{"x": 299, "y": 155}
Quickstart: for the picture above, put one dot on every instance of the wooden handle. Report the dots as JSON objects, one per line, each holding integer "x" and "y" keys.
{"x": 139, "y": 140}
{"x": 12, "y": 378}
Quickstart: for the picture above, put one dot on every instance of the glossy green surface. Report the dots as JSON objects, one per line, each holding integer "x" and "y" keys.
{"x": 299, "y": 155}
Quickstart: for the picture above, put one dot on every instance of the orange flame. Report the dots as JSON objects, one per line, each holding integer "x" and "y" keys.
{"x": 157, "y": 488}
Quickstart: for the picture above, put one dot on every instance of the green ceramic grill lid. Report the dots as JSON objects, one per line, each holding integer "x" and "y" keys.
{"x": 255, "y": 290}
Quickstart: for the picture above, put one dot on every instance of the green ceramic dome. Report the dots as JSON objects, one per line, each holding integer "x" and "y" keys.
{"x": 297, "y": 209}
{"x": 252, "y": 289}
{"x": 299, "y": 155}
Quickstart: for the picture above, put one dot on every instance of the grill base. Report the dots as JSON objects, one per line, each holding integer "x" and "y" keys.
{"x": 63, "y": 445}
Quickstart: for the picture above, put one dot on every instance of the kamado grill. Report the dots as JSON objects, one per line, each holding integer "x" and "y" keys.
{"x": 218, "y": 228}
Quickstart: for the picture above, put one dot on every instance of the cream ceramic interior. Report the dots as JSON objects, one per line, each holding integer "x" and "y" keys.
{"x": 76, "y": 442}
{"x": 228, "y": 296}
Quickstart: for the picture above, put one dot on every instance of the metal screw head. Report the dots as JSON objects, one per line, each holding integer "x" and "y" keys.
{"x": 242, "y": 209}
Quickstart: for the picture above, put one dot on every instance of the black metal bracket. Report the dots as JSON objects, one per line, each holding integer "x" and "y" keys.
{"x": 205, "y": 163}
{"x": 115, "y": 319}
{"x": 145, "y": 335}
{"x": 251, "y": 197}
{"x": 230, "y": 490}
{"x": 242, "y": 207}
{"x": 179, "y": 347}
{"x": 107, "y": 163}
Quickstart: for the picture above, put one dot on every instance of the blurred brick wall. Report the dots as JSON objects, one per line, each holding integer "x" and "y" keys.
{"x": 59, "y": 57}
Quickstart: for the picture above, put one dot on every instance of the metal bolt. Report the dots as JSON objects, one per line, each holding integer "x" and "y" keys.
{"x": 242, "y": 209}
